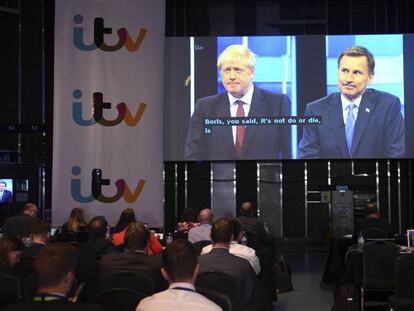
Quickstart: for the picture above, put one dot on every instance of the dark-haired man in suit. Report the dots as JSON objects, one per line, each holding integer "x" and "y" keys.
{"x": 242, "y": 99}
{"x": 134, "y": 258}
{"x": 356, "y": 122}
{"x": 5, "y": 195}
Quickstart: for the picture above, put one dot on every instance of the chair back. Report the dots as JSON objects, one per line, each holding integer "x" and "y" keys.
{"x": 218, "y": 298}
{"x": 9, "y": 289}
{"x": 374, "y": 233}
{"x": 117, "y": 299}
{"x": 223, "y": 283}
{"x": 404, "y": 276}
{"x": 135, "y": 281}
{"x": 378, "y": 259}
{"x": 253, "y": 240}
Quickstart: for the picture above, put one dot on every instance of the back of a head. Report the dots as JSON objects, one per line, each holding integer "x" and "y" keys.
{"x": 136, "y": 236}
{"x": 236, "y": 228}
{"x": 205, "y": 216}
{"x": 53, "y": 262}
{"x": 30, "y": 209}
{"x": 247, "y": 209}
{"x": 221, "y": 231}
{"x": 188, "y": 215}
{"x": 8, "y": 244}
{"x": 39, "y": 228}
{"x": 97, "y": 227}
{"x": 179, "y": 259}
{"x": 371, "y": 210}
{"x": 77, "y": 217}
{"x": 127, "y": 216}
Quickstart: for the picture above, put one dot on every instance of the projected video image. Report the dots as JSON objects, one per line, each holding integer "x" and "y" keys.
{"x": 250, "y": 98}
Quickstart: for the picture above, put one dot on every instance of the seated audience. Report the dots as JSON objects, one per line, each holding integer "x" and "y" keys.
{"x": 20, "y": 224}
{"x": 220, "y": 259}
{"x": 202, "y": 232}
{"x": 10, "y": 250}
{"x": 134, "y": 257}
{"x": 54, "y": 267}
{"x": 180, "y": 269}
{"x": 127, "y": 217}
{"x": 76, "y": 223}
{"x": 97, "y": 245}
{"x": 238, "y": 249}
{"x": 372, "y": 220}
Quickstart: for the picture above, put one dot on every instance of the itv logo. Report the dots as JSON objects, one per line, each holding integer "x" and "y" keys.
{"x": 124, "y": 114}
{"x": 99, "y": 32}
{"x": 122, "y": 188}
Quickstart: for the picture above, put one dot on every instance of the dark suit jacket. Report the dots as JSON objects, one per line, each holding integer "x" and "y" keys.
{"x": 378, "y": 132}
{"x": 18, "y": 225}
{"x": 95, "y": 249}
{"x": 260, "y": 141}
{"x": 219, "y": 259}
{"x": 60, "y": 304}
{"x": 256, "y": 226}
{"x": 7, "y": 197}
{"x": 131, "y": 261}
{"x": 369, "y": 222}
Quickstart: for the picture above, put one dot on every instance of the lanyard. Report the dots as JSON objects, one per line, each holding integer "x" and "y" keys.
{"x": 183, "y": 288}
{"x": 48, "y": 297}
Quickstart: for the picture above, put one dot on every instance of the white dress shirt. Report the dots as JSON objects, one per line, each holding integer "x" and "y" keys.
{"x": 182, "y": 298}
{"x": 247, "y": 100}
{"x": 241, "y": 251}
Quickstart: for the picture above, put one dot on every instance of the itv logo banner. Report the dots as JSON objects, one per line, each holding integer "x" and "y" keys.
{"x": 124, "y": 114}
{"x": 97, "y": 182}
{"x": 99, "y": 32}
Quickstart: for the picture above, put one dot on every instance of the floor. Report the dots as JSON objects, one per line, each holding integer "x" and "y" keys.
{"x": 309, "y": 293}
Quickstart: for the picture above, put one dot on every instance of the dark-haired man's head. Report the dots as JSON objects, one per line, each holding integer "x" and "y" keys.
{"x": 179, "y": 262}
{"x": 97, "y": 227}
{"x": 136, "y": 236}
{"x": 222, "y": 231}
{"x": 247, "y": 209}
{"x": 371, "y": 210}
{"x": 54, "y": 267}
{"x": 39, "y": 232}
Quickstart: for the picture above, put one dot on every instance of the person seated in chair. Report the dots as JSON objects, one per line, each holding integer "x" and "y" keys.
{"x": 238, "y": 249}
{"x": 180, "y": 269}
{"x": 250, "y": 223}
{"x": 202, "y": 232}
{"x": 54, "y": 267}
{"x": 372, "y": 220}
{"x": 219, "y": 258}
{"x": 135, "y": 257}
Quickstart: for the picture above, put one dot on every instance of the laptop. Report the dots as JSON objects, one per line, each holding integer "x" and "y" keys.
{"x": 410, "y": 239}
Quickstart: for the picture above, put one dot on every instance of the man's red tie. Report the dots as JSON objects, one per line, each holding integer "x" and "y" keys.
{"x": 240, "y": 128}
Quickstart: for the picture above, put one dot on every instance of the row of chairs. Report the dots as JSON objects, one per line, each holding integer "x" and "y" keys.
{"x": 387, "y": 276}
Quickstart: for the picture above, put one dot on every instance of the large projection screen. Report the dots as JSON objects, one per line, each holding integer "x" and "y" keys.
{"x": 199, "y": 124}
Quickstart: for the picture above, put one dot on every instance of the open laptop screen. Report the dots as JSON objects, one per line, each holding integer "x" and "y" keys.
{"x": 410, "y": 239}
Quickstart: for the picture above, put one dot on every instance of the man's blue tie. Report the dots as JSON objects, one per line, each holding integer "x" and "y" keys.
{"x": 349, "y": 125}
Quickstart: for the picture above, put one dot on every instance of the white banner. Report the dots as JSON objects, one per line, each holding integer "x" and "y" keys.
{"x": 108, "y": 109}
